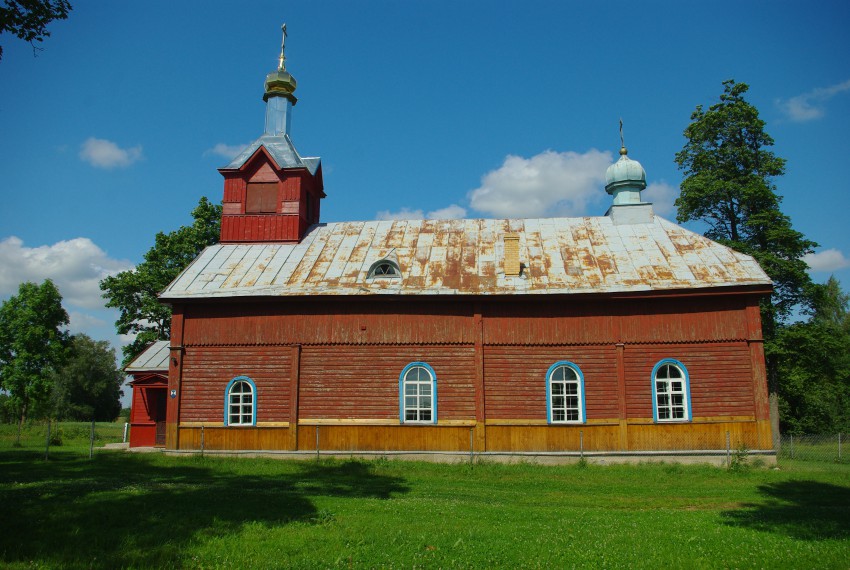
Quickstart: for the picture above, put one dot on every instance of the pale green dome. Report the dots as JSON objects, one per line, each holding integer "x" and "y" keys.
{"x": 625, "y": 174}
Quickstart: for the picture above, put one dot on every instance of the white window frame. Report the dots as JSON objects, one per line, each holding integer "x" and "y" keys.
{"x": 667, "y": 399}
{"x": 388, "y": 268}
{"x": 558, "y": 388}
{"x": 239, "y": 416}
{"x": 414, "y": 390}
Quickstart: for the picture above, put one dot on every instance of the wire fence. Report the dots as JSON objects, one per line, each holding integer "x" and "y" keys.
{"x": 83, "y": 438}
{"x": 831, "y": 448}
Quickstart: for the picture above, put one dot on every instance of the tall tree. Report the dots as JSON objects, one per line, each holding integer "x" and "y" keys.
{"x": 32, "y": 346}
{"x": 728, "y": 185}
{"x": 88, "y": 385}
{"x": 28, "y": 19}
{"x": 134, "y": 292}
{"x": 814, "y": 364}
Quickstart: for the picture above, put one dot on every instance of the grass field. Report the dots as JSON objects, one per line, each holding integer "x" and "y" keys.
{"x": 149, "y": 510}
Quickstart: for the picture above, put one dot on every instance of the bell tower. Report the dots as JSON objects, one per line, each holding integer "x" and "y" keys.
{"x": 271, "y": 193}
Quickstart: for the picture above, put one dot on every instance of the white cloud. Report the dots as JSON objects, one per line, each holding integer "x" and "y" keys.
{"x": 228, "y": 151}
{"x": 662, "y": 196}
{"x": 561, "y": 183}
{"x": 76, "y": 266}
{"x": 826, "y": 260}
{"x": 403, "y": 214}
{"x": 810, "y": 106}
{"x": 453, "y": 212}
{"x": 102, "y": 153}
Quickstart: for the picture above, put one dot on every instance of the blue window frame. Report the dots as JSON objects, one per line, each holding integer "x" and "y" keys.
{"x": 671, "y": 392}
{"x": 565, "y": 394}
{"x": 417, "y": 394}
{"x": 240, "y": 402}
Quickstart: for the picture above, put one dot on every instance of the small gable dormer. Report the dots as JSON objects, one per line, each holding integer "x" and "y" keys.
{"x": 271, "y": 193}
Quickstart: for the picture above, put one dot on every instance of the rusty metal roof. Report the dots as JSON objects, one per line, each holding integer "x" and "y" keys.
{"x": 465, "y": 257}
{"x": 153, "y": 359}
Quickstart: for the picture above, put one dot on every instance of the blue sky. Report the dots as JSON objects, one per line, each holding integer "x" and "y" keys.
{"x": 473, "y": 109}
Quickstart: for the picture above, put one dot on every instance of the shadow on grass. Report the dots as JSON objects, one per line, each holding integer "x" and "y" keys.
{"x": 135, "y": 510}
{"x": 805, "y": 510}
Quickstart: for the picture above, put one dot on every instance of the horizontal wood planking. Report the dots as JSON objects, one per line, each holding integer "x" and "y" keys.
{"x": 515, "y": 379}
{"x": 336, "y": 321}
{"x": 652, "y": 437}
{"x": 362, "y": 381}
{"x": 208, "y": 370}
{"x": 385, "y": 438}
{"x": 637, "y": 320}
{"x": 233, "y": 438}
{"x": 720, "y": 377}
{"x": 552, "y": 438}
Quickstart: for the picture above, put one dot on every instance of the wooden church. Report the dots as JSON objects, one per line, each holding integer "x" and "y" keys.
{"x": 623, "y": 334}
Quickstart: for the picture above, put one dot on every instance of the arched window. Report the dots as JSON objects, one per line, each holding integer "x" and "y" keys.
{"x": 417, "y": 386}
{"x": 671, "y": 392}
{"x": 564, "y": 394}
{"x": 240, "y": 403}
{"x": 384, "y": 268}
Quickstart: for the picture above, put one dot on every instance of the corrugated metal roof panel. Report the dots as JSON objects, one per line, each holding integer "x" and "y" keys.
{"x": 153, "y": 359}
{"x": 560, "y": 255}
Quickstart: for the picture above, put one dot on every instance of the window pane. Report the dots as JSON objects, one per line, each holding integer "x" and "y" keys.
{"x": 677, "y": 387}
{"x": 558, "y": 374}
{"x": 410, "y": 401}
{"x": 425, "y": 402}
{"x": 425, "y": 389}
{"x": 558, "y": 415}
{"x": 410, "y": 415}
{"x": 678, "y": 412}
{"x": 674, "y": 372}
{"x": 569, "y": 373}
{"x": 661, "y": 387}
{"x": 410, "y": 389}
{"x": 663, "y": 414}
{"x": 572, "y": 388}
{"x": 558, "y": 402}
{"x": 663, "y": 400}
{"x": 678, "y": 400}
{"x": 572, "y": 415}
{"x": 572, "y": 402}
{"x": 557, "y": 388}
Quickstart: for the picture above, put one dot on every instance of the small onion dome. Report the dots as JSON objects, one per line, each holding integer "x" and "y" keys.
{"x": 625, "y": 174}
{"x": 279, "y": 83}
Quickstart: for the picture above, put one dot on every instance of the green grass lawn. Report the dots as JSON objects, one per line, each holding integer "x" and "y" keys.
{"x": 149, "y": 510}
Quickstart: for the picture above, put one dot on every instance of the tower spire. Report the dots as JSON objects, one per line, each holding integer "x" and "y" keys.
{"x": 279, "y": 95}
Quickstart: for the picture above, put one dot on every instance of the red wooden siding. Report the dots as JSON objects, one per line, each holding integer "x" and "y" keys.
{"x": 362, "y": 381}
{"x": 335, "y": 322}
{"x": 207, "y": 371}
{"x": 720, "y": 378}
{"x": 515, "y": 379}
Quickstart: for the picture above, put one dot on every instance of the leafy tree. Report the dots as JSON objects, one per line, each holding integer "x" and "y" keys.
{"x": 814, "y": 364}
{"x": 728, "y": 185}
{"x": 32, "y": 346}
{"x": 134, "y": 292}
{"x": 28, "y": 19}
{"x": 88, "y": 386}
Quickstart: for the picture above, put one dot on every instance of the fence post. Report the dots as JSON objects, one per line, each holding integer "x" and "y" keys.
{"x": 471, "y": 445}
{"x": 202, "y": 441}
{"x": 47, "y": 442}
{"x": 581, "y": 444}
{"x": 91, "y": 440}
{"x": 126, "y": 427}
{"x": 317, "y": 443}
{"x": 728, "y": 443}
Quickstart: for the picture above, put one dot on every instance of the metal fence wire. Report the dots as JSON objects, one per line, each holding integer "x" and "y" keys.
{"x": 814, "y": 447}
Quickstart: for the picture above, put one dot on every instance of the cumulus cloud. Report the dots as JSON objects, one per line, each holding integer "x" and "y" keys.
{"x": 403, "y": 214}
{"x": 453, "y": 212}
{"x": 826, "y": 260}
{"x": 228, "y": 151}
{"x": 102, "y": 153}
{"x": 559, "y": 183}
{"x": 810, "y": 106}
{"x": 662, "y": 196}
{"x": 76, "y": 266}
